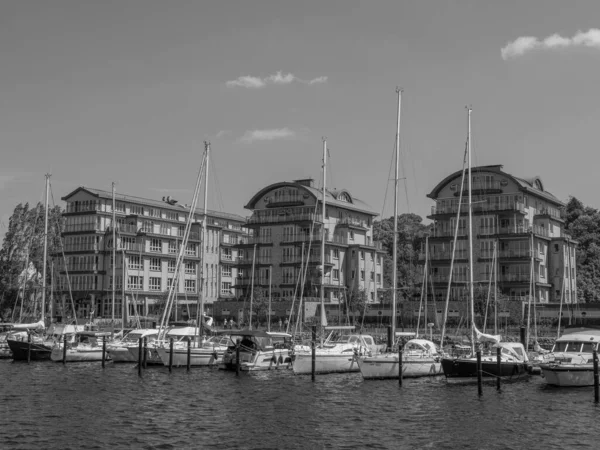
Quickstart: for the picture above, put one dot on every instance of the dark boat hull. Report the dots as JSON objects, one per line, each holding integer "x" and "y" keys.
{"x": 465, "y": 370}
{"x": 20, "y": 349}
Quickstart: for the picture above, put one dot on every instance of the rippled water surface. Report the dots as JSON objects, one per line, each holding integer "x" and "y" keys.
{"x": 48, "y": 405}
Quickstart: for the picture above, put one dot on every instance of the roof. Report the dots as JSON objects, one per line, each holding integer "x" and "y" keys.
{"x": 154, "y": 203}
{"x": 331, "y": 197}
{"x": 531, "y": 185}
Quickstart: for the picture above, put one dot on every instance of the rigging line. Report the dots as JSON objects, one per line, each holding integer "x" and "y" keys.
{"x": 217, "y": 185}
{"x": 389, "y": 178}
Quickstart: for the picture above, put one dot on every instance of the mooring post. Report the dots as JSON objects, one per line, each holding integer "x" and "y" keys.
{"x": 103, "y": 351}
{"x": 499, "y": 367}
{"x": 171, "y": 355}
{"x": 313, "y": 355}
{"x": 400, "y": 374}
{"x": 390, "y": 338}
{"x": 145, "y": 354}
{"x": 237, "y": 357}
{"x": 479, "y": 387}
{"x": 140, "y": 343}
{"x": 189, "y": 354}
{"x": 596, "y": 391}
{"x": 65, "y": 349}
{"x": 28, "y": 348}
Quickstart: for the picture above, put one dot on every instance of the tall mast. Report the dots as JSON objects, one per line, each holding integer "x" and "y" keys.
{"x": 395, "y": 241}
{"x": 114, "y": 251}
{"x": 471, "y": 295}
{"x": 45, "y": 249}
{"x": 270, "y": 284}
{"x": 124, "y": 306}
{"x": 323, "y": 316}
{"x": 252, "y": 286}
{"x": 204, "y": 220}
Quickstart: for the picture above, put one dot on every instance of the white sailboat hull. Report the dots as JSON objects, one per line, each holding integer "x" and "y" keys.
{"x": 77, "y": 355}
{"x": 385, "y": 366}
{"x": 121, "y": 354}
{"x": 198, "y": 356}
{"x": 568, "y": 375}
{"x": 325, "y": 363}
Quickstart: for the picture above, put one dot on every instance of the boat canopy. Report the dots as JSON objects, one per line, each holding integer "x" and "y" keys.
{"x": 483, "y": 337}
{"x": 421, "y": 344}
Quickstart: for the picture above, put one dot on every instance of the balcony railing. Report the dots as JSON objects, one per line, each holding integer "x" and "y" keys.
{"x": 449, "y": 233}
{"x": 313, "y": 259}
{"x": 81, "y": 227}
{"x": 515, "y": 277}
{"x": 354, "y": 222}
{"x": 78, "y": 207}
{"x": 282, "y": 218}
{"x": 251, "y": 240}
{"x": 80, "y": 248}
{"x": 315, "y": 237}
{"x": 257, "y": 260}
{"x": 479, "y": 207}
{"x": 458, "y": 254}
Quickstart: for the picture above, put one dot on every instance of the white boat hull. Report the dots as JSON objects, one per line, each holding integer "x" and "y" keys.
{"x": 385, "y": 366}
{"x": 250, "y": 362}
{"x": 198, "y": 356}
{"x": 121, "y": 354}
{"x": 77, "y": 355}
{"x": 325, "y": 363}
{"x": 568, "y": 375}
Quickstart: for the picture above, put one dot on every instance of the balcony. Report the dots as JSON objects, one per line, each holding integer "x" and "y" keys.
{"x": 353, "y": 222}
{"x": 462, "y": 232}
{"x": 80, "y": 248}
{"x": 79, "y": 227}
{"x": 283, "y": 217}
{"x": 251, "y": 240}
{"x": 518, "y": 277}
{"x": 262, "y": 260}
{"x": 302, "y": 238}
{"x": 247, "y": 282}
{"x": 445, "y": 255}
{"x": 480, "y": 208}
{"x": 285, "y": 200}
{"x": 298, "y": 259}
{"x": 226, "y": 258}
{"x": 79, "y": 207}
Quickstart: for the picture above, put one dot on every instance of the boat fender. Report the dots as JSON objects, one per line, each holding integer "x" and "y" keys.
{"x": 274, "y": 360}
{"x": 280, "y": 360}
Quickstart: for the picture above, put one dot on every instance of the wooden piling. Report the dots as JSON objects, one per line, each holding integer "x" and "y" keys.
{"x": 145, "y": 354}
{"x": 237, "y": 357}
{"x": 523, "y": 337}
{"x": 596, "y": 390}
{"x": 479, "y": 380}
{"x": 65, "y": 349}
{"x": 499, "y": 367}
{"x": 103, "y": 351}
{"x": 390, "y": 338}
{"x": 140, "y": 352}
{"x": 171, "y": 355}
{"x": 400, "y": 374}
{"x": 189, "y": 353}
{"x": 313, "y": 356}
{"x": 28, "y": 348}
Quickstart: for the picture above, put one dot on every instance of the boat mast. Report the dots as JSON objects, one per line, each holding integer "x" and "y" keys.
{"x": 395, "y": 241}
{"x": 323, "y": 316}
{"x": 204, "y": 220}
{"x": 269, "y": 312}
{"x": 114, "y": 250}
{"x": 124, "y": 306}
{"x": 471, "y": 295}
{"x": 45, "y": 251}
{"x": 252, "y": 287}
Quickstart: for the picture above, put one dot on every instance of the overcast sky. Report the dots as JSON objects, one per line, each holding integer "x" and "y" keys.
{"x": 128, "y": 90}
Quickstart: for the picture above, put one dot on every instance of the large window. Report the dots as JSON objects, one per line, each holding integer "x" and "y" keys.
{"x": 226, "y": 271}
{"x": 190, "y": 285}
{"x": 190, "y": 250}
{"x": 225, "y": 288}
{"x": 155, "y": 264}
{"x": 135, "y": 282}
{"x": 171, "y": 266}
{"x": 190, "y": 268}
{"x": 135, "y": 262}
{"x": 172, "y": 247}
{"x": 154, "y": 283}
{"x": 155, "y": 245}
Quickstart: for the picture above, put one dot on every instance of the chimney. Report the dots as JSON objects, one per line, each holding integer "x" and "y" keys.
{"x": 305, "y": 182}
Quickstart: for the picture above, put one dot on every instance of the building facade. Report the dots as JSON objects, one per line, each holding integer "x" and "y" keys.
{"x": 286, "y": 228}
{"x": 516, "y": 219}
{"x": 149, "y": 234}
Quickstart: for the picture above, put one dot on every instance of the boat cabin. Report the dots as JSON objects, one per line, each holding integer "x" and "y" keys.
{"x": 251, "y": 340}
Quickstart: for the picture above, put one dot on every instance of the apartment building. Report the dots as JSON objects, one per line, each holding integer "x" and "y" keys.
{"x": 286, "y": 228}
{"x": 515, "y": 217}
{"x": 148, "y": 234}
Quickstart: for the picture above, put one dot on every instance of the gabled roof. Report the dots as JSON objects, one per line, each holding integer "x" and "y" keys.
{"x": 331, "y": 197}
{"x": 99, "y": 193}
{"x": 531, "y": 185}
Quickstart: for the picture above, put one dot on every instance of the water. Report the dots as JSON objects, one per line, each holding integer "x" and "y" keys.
{"x": 48, "y": 405}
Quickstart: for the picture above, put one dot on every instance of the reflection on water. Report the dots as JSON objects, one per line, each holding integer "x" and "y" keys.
{"x": 48, "y": 405}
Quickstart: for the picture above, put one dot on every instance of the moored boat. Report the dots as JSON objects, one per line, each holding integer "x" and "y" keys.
{"x": 85, "y": 346}
{"x": 39, "y": 347}
{"x": 119, "y": 351}
{"x": 206, "y": 353}
{"x": 571, "y": 363}
{"x": 258, "y": 350}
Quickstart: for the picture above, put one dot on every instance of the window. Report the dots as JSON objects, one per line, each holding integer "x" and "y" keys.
{"x": 155, "y": 264}
{"x": 556, "y": 248}
{"x": 190, "y": 268}
{"x": 378, "y": 278}
{"x": 190, "y": 250}
{"x": 372, "y": 276}
{"x": 172, "y": 247}
{"x": 190, "y": 285}
{"x": 154, "y": 212}
{"x": 135, "y": 282}
{"x": 225, "y": 288}
{"x": 147, "y": 226}
{"x": 171, "y": 266}
{"x": 165, "y": 229}
{"x": 351, "y": 235}
{"x": 336, "y": 274}
{"x": 353, "y": 275}
{"x": 120, "y": 207}
{"x": 362, "y": 275}
{"x": 137, "y": 210}
{"x": 362, "y": 255}
{"x": 155, "y": 245}
{"x": 226, "y": 271}
{"x": 379, "y": 260}
{"x": 336, "y": 253}
{"x": 154, "y": 283}
{"x": 172, "y": 215}
{"x": 170, "y": 283}
{"x": 135, "y": 262}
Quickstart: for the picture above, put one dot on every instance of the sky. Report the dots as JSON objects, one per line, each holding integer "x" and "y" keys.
{"x": 127, "y": 91}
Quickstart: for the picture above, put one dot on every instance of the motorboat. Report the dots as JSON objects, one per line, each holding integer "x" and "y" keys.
{"x": 119, "y": 350}
{"x": 571, "y": 361}
{"x": 178, "y": 335}
{"x": 420, "y": 358}
{"x": 258, "y": 350}
{"x": 336, "y": 354}
{"x": 205, "y": 353}
{"x": 39, "y": 346}
{"x": 86, "y": 346}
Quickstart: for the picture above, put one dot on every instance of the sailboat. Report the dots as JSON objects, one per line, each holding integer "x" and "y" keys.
{"x": 514, "y": 360}
{"x": 420, "y": 357}
{"x": 337, "y": 353}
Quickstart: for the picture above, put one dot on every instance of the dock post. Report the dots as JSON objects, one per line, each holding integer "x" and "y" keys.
{"x": 523, "y": 337}
{"x": 189, "y": 354}
{"x": 237, "y": 357}
{"x": 400, "y": 350}
{"x": 145, "y": 354}
{"x": 65, "y": 349}
{"x": 313, "y": 355}
{"x": 596, "y": 390}
{"x": 103, "y": 351}
{"x": 479, "y": 387}
{"x": 140, "y": 352}
{"x": 28, "y": 348}
{"x": 390, "y": 338}
{"x": 499, "y": 367}
{"x": 171, "y": 355}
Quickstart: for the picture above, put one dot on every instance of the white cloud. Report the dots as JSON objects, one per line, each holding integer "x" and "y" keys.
{"x": 524, "y": 44}
{"x": 222, "y": 133}
{"x": 267, "y": 135}
{"x": 279, "y": 77}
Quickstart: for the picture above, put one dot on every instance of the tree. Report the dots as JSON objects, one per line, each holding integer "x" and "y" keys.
{"x": 23, "y": 244}
{"x": 260, "y": 305}
{"x": 357, "y": 301}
